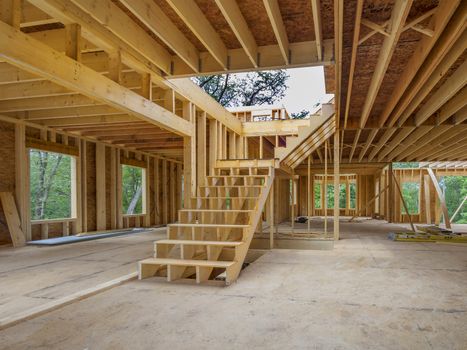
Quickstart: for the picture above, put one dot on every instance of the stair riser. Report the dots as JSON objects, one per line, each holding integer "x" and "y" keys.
{"x": 234, "y": 181}
{"x": 187, "y": 251}
{"x": 230, "y": 192}
{"x": 205, "y": 234}
{"x": 214, "y": 218}
{"x": 223, "y": 203}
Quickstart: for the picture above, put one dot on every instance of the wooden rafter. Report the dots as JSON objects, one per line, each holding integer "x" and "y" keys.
{"x": 316, "y": 12}
{"x": 353, "y": 58}
{"x": 237, "y": 23}
{"x": 157, "y": 21}
{"x": 15, "y": 47}
{"x": 422, "y": 60}
{"x": 275, "y": 17}
{"x": 194, "y": 18}
{"x": 398, "y": 16}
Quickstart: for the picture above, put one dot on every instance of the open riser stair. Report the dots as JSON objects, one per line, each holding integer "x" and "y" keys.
{"x": 212, "y": 236}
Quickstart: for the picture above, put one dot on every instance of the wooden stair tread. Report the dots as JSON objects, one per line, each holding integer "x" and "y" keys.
{"x": 207, "y": 225}
{"x": 183, "y": 262}
{"x": 191, "y": 242}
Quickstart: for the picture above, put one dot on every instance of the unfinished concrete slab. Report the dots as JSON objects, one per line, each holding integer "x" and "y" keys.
{"x": 369, "y": 292}
{"x": 35, "y": 278}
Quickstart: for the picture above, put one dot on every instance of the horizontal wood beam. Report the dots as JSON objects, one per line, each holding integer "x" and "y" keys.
{"x": 302, "y": 54}
{"x": 16, "y": 48}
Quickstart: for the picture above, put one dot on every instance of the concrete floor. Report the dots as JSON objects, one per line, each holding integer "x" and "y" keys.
{"x": 32, "y": 277}
{"x": 367, "y": 293}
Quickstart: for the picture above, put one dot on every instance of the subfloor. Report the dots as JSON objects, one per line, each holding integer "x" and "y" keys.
{"x": 366, "y": 293}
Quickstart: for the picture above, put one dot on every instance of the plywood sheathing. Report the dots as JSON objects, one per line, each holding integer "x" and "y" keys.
{"x": 255, "y": 15}
{"x": 180, "y": 24}
{"x": 349, "y": 21}
{"x": 135, "y": 19}
{"x": 298, "y": 20}
{"x": 217, "y": 20}
{"x": 445, "y": 77}
{"x": 327, "y": 18}
{"x": 368, "y": 52}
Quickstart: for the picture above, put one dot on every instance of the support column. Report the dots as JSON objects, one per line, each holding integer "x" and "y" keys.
{"x": 213, "y": 145}
{"x": 100, "y": 187}
{"x": 22, "y": 179}
{"x": 201, "y": 163}
{"x": 189, "y": 157}
{"x": 271, "y": 217}
{"x": 336, "y": 185}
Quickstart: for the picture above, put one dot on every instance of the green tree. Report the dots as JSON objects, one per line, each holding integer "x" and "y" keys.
{"x": 317, "y": 190}
{"x": 455, "y": 190}
{"x": 252, "y": 89}
{"x": 353, "y": 194}
{"x": 411, "y": 195}
{"x": 405, "y": 165}
{"x": 342, "y": 196}
{"x": 132, "y": 189}
{"x": 50, "y": 185}
{"x": 330, "y": 196}
{"x": 300, "y": 115}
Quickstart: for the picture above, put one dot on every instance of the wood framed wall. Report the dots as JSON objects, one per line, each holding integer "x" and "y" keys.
{"x": 96, "y": 179}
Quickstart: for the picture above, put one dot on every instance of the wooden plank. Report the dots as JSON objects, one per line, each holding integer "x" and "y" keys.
{"x": 12, "y": 219}
{"x": 316, "y": 12}
{"x": 441, "y": 198}
{"x": 165, "y": 199}
{"x": 15, "y": 48}
{"x": 10, "y": 12}
{"x": 100, "y": 187}
{"x": 399, "y": 14}
{"x": 235, "y": 19}
{"x": 201, "y": 149}
{"x": 275, "y": 17}
{"x": 449, "y": 88}
{"x": 22, "y": 179}
{"x": 195, "y": 19}
{"x": 353, "y": 58}
{"x": 426, "y": 190}
{"x": 399, "y": 191}
{"x": 118, "y": 22}
{"x": 157, "y": 21}
{"x": 336, "y": 186}
{"x": 439, "y": 21}
{"x": 52, "y": 146}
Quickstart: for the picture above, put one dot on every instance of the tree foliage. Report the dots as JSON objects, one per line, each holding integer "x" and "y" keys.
{"x": 455, "y": 190}
{"x": 252, "y": 89}
{"x": 132, "y": 189}
{"x": 50, "y": 185}
{"x": 411, "y": 195}
{"x": 300, "y": 115}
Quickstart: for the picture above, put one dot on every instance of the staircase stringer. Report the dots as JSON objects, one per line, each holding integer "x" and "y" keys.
{"x": 256, "y": 216}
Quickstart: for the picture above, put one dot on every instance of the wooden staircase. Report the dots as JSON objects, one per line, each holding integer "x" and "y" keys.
{"x": 309, "y": 138}
{"x": 212, "y": 237}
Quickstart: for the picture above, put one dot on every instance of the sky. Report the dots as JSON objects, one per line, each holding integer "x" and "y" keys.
{"x": 306, "y": 89}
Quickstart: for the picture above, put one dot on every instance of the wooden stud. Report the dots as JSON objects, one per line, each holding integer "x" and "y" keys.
{"x": 336, "y": 185}
{"x": 100, "y": 187}
{"x": 441, "y": 198}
